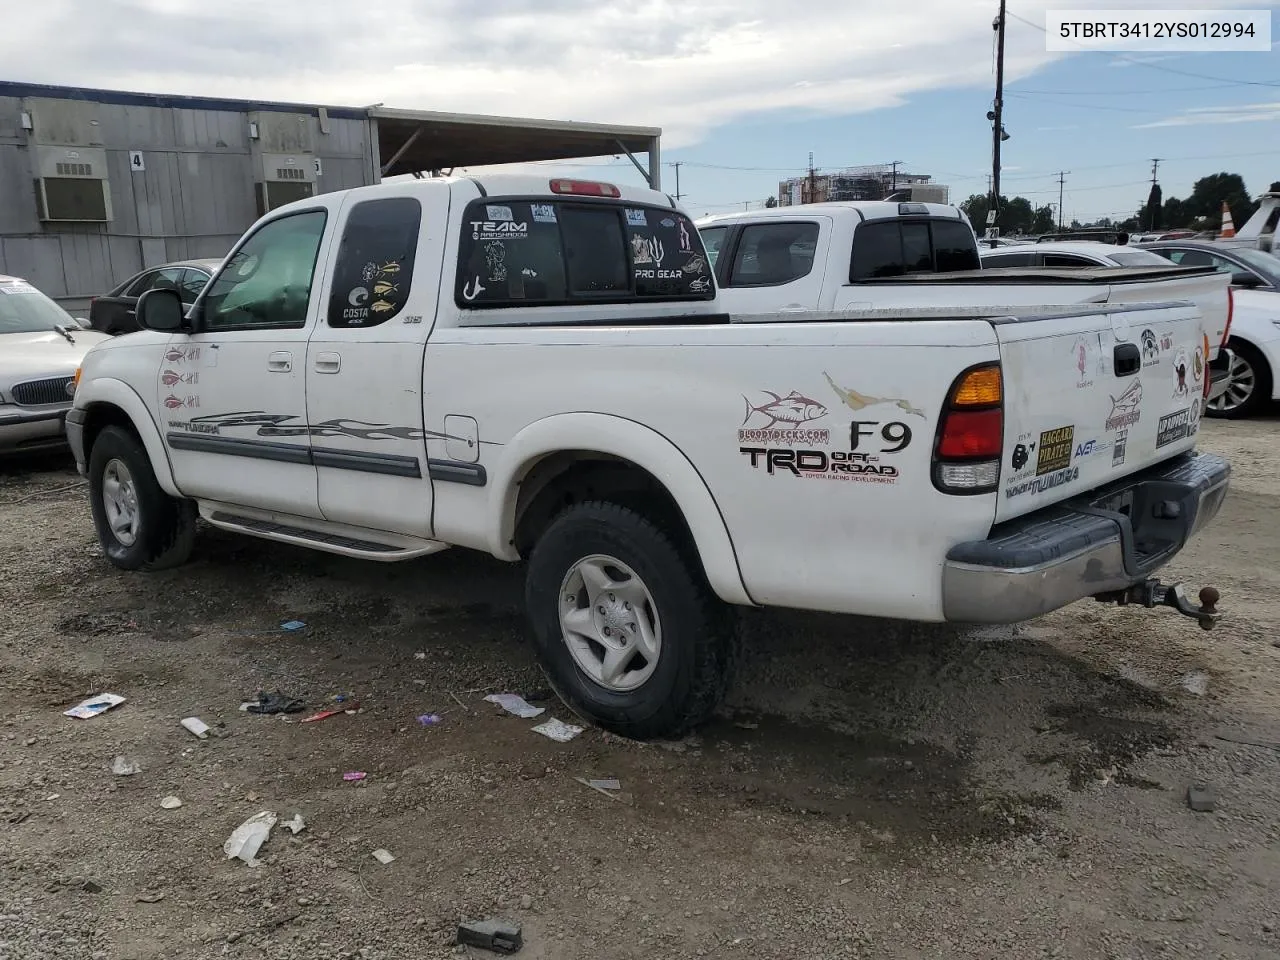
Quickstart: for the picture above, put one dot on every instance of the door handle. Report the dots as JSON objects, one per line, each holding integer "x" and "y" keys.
{"x": 280, "y": 362}
{"x": 1128, "y": 360}
{"x": 328, "y": 362}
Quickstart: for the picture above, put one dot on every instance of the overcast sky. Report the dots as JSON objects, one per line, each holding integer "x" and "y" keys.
{"x": 746, "y": 83}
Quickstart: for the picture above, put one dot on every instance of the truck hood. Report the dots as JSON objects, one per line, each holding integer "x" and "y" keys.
{"x": 27, "y": 355}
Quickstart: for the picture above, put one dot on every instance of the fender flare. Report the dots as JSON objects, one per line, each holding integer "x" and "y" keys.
{"x": 106, "y": 391}
{"x": 627, "y": 440}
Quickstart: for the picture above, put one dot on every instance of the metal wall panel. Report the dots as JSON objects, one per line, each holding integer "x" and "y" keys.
{"x": 38, "y": 260}
{"x": 18, "y": 212}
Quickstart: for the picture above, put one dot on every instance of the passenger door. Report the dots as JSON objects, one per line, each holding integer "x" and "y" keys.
{"x": 364, "y": 362}
{"x": 773, "y": 269}
{"x": 231, "y": 395}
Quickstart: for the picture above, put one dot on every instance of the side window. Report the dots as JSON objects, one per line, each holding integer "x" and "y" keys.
{"x": 167, "y": 279}
{"x": 140, "y": 285}
{"x": 374, "y": 267}
{"x": 1009, "y": 260}
{"x": 954, "y": 246}
{"x": 713, "y": 240}
{"x": 1067, "y": 260}
{"x": 193, "y": 282}
{"x": 267, "y": 283}
{"x": 771, "y": 254}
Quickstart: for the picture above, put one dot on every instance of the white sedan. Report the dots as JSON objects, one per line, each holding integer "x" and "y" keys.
{"x": 40, "y": 347}
{"x": 1069, "y": 253}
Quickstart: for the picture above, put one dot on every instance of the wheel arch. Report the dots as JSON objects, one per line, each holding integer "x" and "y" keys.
{"x": 114, "y": 403}
{"x": 569, "y": 452}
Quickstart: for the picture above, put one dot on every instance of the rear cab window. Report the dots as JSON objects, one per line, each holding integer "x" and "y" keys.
{"x": 772, "y": 254}
{"x": 894, "y": 248}
{"x": 529, "y": 252}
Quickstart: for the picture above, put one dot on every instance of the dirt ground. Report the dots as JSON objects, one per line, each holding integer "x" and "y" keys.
{"x": 871, "y": 790}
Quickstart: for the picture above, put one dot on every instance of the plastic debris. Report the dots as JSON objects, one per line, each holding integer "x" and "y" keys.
{"x": 270, "y": 703}
{"x": 289, "y": 626}
{"x": 170, "y": 803}
{"x": 609, "y": 791}
{"x": 1201, "y": 798}
{"x": 150, "y": 897}
{"x": 429, "y": 719}
{"x": 247, "y": 839}
{"x": 296, "y": 825}
{"x": 124, "y": 767}
{"x": 515, "y": 704}
{"x": 611, "y": 783}
{"x": 558, "y": 730}
{"x": 1196, "y": 683}
{"x": 382, "y": 856}
{"x": 420, "y": 655}
{"x": 500, "y": 936}
{"x": 87, "y": 709}
{"x": 197, "y": 727}
{"x": 325, "y": 715}
{"x": 354, "y": 776}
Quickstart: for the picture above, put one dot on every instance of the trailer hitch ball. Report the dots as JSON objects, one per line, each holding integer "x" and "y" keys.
{"x": 1209, "y": 597}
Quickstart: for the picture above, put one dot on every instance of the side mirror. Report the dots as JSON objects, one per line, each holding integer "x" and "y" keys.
{"x": 160, "y": 309}
{"x": 1246, "y": 281}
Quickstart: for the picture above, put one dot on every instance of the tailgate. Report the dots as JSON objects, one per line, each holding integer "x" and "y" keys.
{"x": 1208, "y": 291}
{"x": 1091, "y": 397}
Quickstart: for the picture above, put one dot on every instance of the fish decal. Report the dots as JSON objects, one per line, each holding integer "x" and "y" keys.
{"x": 381, "y": 306}
{"x": 393, "y": 267}
{"x": 1128, "y": 400}
{"x": 382, "y": 288}
{"x": 175, "y": 403}
{"x": 696, "y": 264}
{"x": 171, "y": 377}
{"x": 794, "y": 408}
{"x": 182, "y": 354}
{"x": 857, "y": 402}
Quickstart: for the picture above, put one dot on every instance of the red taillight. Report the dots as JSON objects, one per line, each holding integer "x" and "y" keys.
{"x": 967, "y": 434}
{"x": 585, "y": 188}
{"x": 1202, "y": 367}
{"x": 1231, "y": 312}
{"x": 970, "y": 440}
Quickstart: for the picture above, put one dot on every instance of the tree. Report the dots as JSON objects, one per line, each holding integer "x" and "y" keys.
{"x": 1044, "y": 221}
{"x": 1209, "y": 193}
{"x": 1016, "y": 215}
{"x": 771, "y": 203}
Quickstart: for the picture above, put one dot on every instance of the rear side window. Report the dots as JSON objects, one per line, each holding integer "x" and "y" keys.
{"x": 893, "y": 248}
{"x": 374, "y": 267}
{"x": 540, "y": 252}
{"x": 713, "y": 240}
{"x": 771, "y": 254}
{"x": 1067, "y": 260}
{"x": 1009, "y": 260}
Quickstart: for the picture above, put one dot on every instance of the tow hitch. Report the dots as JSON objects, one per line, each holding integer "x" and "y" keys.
{"x": 1152, "y": 593}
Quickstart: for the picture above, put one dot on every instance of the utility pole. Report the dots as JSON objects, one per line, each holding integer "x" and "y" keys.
{"x": 1154, "y": 197}
{"x": 677, "y": 164}
{"x": 813, "y": 179}
{"x": 997, "y": 123}
{"x": 894, "y": 188}
{"x": 1061, "y": 179}
{"x": 1155, "y": 167}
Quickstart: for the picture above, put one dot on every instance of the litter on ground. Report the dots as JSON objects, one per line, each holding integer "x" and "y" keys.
{"x": 354, "y": 775}
{"x": 597, "y": 785}
{"x": 351, "y": 708}
{"x": 295, "y": 825}
{"x": 558, "y": 730}
{"x": 497, "y": 935}
{"x": 124, "y": 767}
{"x": 429, "y": 719}
{"x": 382, "y": 856}
{"x": 515, "y": 704}
{"x": 197, "y": 727}
{"x": 270, "y": 703}
{"x": 87, "y": 709}
{"x": 170, "y": 803}
{"x": 247, "y": 839}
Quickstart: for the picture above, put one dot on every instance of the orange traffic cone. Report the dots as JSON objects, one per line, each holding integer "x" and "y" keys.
{"x": 1228, "y": 226}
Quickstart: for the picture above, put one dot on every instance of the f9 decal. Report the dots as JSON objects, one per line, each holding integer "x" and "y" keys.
{"x": 895, "y": 433}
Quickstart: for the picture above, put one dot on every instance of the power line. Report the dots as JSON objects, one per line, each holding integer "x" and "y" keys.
{"x": 1124, "y": 93}
{"x": 1156, "y": 66}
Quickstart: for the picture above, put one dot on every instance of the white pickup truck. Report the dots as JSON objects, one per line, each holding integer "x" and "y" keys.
{"x": 541, "y": 370}
{"x": 867, "y": 259}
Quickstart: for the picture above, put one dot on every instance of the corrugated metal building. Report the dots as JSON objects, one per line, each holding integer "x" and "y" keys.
{"x": 96, "y": 185}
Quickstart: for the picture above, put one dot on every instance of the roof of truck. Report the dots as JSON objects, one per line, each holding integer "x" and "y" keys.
{"x": 869, "y": 210}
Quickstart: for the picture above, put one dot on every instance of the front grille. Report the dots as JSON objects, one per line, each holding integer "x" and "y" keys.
{"x": 34, "y": 393}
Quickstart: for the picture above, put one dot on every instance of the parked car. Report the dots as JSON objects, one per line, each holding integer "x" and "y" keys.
{"x": 41, "y": 346}
{"x": 1254, "y": 343}
{"x": 1069, "y": 253}
{"x": 113, "y": 312}
{"x": 541, "y": 369}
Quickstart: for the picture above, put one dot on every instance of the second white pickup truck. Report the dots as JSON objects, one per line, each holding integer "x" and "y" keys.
{"x": 541, "y": 370}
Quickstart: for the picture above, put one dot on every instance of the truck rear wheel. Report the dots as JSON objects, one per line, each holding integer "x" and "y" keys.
{"x": 139, "y": 526}
{"x": 627, "y": 630}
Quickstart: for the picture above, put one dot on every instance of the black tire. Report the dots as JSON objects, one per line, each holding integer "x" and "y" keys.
{"x": 166, "y": 526}
{"x": 699, "y": 632}
{"x": 1260, "y": 397}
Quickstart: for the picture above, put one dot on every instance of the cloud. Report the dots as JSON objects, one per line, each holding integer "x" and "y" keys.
{"x": 1069, "y": 126}
{"x": 1238, "y": 113}
{"x": 1133, "y": 61}
{"x": 688, "y": 66}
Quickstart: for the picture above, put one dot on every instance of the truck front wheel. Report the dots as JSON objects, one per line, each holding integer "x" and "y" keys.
{"x": 139, "y": 526}
{"x": 626, "y": 627}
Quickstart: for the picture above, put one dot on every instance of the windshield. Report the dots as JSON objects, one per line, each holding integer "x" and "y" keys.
{"x": 24, "y": 309}
{"x": 1266, "y": 264}
{"x": 1138, "y": 258}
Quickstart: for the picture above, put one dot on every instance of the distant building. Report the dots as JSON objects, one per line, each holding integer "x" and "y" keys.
{"x": 876, "y": 182}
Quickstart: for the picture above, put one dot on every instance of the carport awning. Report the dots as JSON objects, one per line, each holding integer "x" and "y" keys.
{"x": 411, "y": 141}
